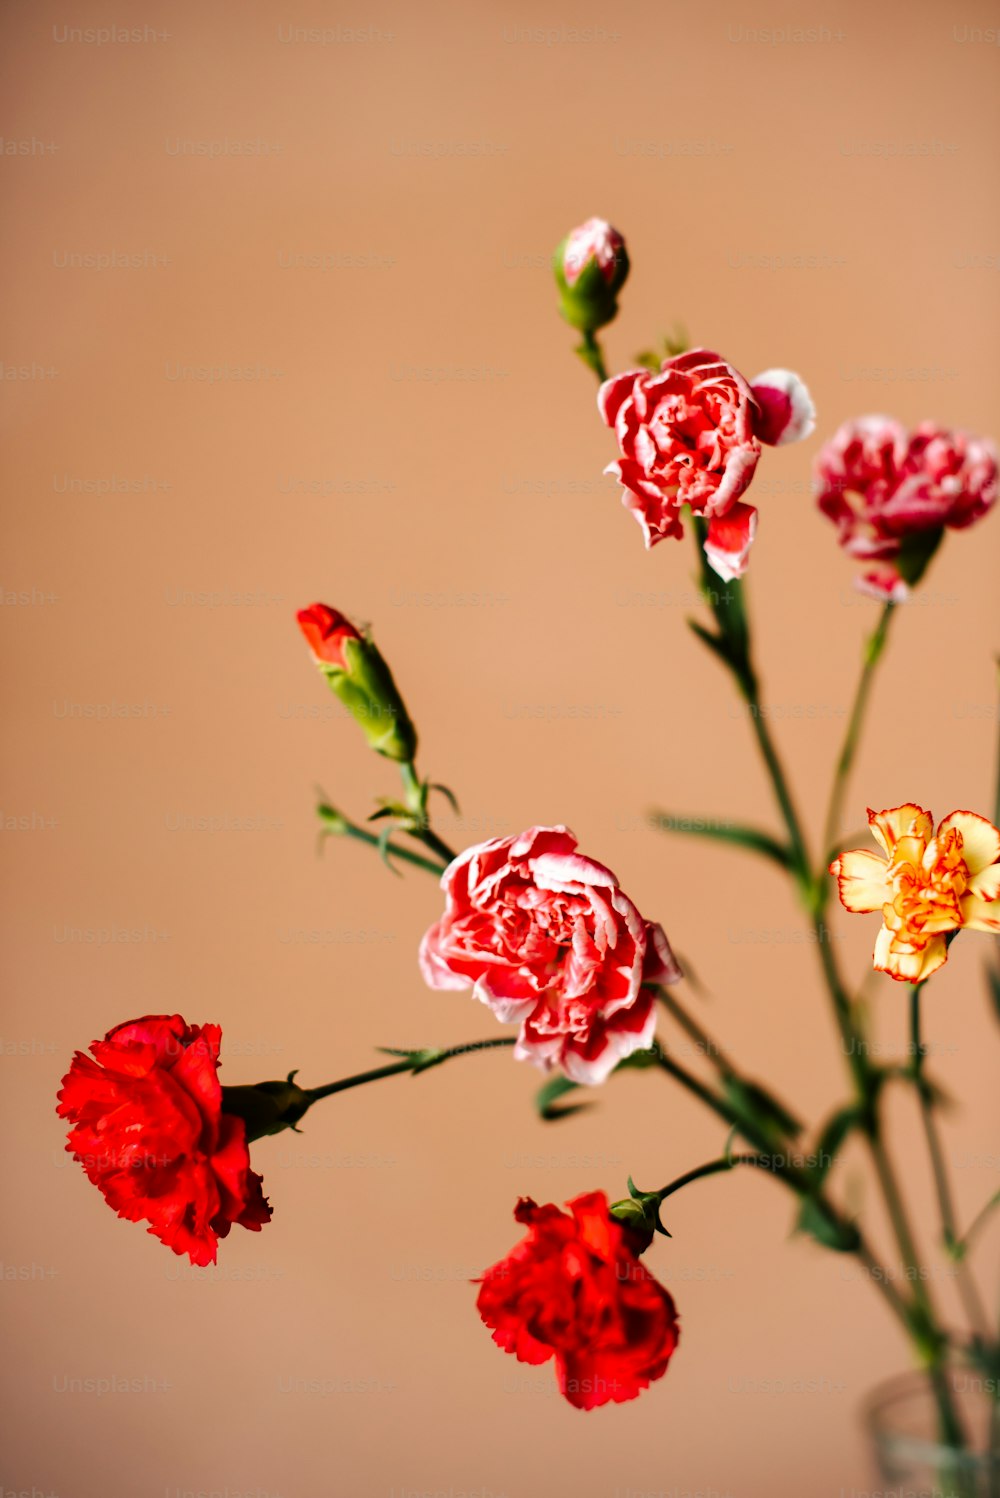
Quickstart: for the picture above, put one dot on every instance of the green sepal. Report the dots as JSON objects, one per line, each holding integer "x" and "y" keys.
{"x": 915, "y": 554}
{"x": 267, "y": 1107}
{"x": 366, "y": 688}
{"x": 591, "y": 302}
{"x": 640, "y": 1211}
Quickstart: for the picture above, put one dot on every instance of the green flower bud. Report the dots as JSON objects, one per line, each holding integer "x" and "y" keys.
{"x": 361, "y": 679}
{"x": 590, "y": 266}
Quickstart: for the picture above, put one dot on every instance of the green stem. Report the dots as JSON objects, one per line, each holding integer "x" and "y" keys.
{"x": 873, "y": 651}
{"x": 704, "y": 1042}
{"x": 792, "y": 1177}
{"x": 748, "y": 684}
{"x": 416, "y": 800}
{"x": 967, "y": 1289}
{"x": 340, "y": 826}
{"x": 713, "y": 1168}
{"x": 416, "y": 1062}
{"x": 592, "y": 355}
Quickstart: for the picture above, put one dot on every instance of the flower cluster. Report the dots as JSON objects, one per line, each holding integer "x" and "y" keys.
{"x": 545, "y": 937}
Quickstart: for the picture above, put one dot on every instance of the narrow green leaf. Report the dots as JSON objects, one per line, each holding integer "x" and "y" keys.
{"x": 548, "y": 1095}
{"x": 831, "y": 1140}
{"x": 714, "y": 642}
{"x": 760, "y": 1106}
{"x": 738, "y": 833}
{"x": 383, "y": 849}
{"x": 449, "y": 796}
{"x": 843, "y": 1238}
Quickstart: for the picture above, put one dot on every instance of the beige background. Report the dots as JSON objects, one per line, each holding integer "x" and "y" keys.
{"x": 826, "y": 203}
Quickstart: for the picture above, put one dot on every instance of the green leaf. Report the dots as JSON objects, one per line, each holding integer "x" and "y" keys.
{"x": 842, "y": 1237}
{"x": 384, "y": 850}
{"x": 960, "y": 1247}
{"x": 390, "y": 808}
{"x": 715, "y": 643}
{"x": 420, "y": 1060}
{"x": 547, "y": 1097}
{"x": 751, "y": 838}
{"x": 831, "y": 1139}
{"x": 993, "y": 979}
{"x": 448, "y": 794}
{"x": 760, "y": 1106}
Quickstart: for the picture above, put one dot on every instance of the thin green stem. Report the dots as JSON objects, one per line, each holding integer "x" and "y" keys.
{"x": 704, "y": 1042}
{"x": 967, "y": 1288}
{"x": 417, "y": 1061}
{"x": 592, "y": 355}
{"x": 713, "y": 1168}
{"x": 416, "y": 800}
{"x": 337, "y": 825}
{"x": 873, "y": 651}
{"x": 792, "y": 1177}
{"x": 749, "y": 687}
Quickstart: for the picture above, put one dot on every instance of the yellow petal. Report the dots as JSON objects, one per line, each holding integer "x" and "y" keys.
{"x": 901, "y": 965}
{"x": 861, "y": 880}
{"x": 986, "y": 883}
{"x": 904, "y": 962}
{"x": 909, "y": 849}
{"x": 979, "y": 914}
{"x": 980, "y": 839}
{"x": 935, "y": 956}
{"x": 889, "y": 826}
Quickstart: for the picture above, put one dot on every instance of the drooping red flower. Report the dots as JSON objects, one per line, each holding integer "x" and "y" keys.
{"x": 691, "y": 434}
{"x": 548, "y": 939}
{"x": 149, "y": 1130}
{"x": 575, "y": 1289}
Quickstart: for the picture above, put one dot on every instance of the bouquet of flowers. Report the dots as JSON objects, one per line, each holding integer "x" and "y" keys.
{"x": 544, "y": 935}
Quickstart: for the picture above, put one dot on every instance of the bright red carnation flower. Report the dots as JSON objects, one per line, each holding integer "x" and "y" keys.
{"x": 575, "y": 1289}
{"x": 149, "y": 1130}
{"x": 548, "y": 939}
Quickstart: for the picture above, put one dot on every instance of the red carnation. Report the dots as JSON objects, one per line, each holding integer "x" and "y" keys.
{"x": 576, "y": 1289}
{"x": 149, "y": 1130}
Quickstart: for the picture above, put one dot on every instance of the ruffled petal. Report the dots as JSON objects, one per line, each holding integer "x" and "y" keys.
{"x": 861, "y": 880}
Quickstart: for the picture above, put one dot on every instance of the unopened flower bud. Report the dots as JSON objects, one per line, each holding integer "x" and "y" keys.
{"x": 590, "y": 266}
{"x": 357, "y": 673}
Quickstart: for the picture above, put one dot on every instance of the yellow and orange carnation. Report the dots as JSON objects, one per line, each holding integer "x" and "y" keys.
{"x": 928, "y": 885}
